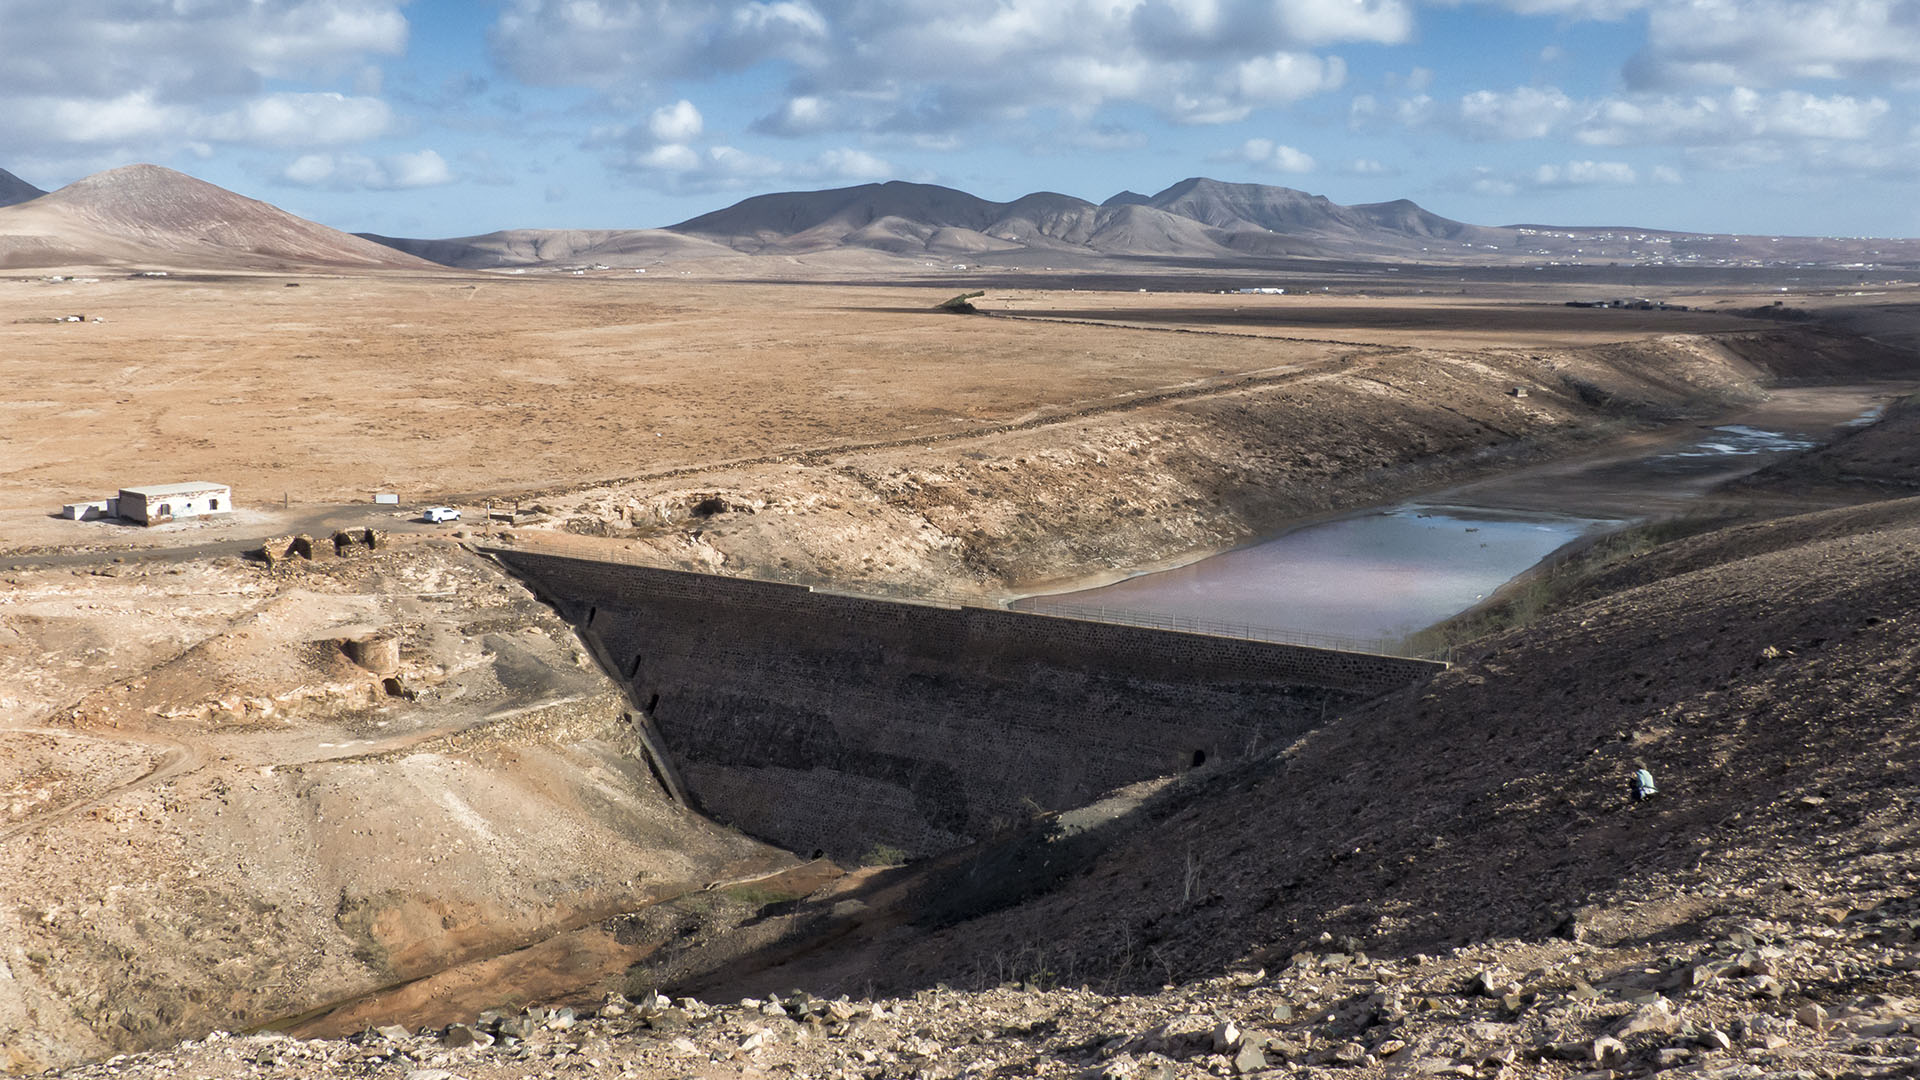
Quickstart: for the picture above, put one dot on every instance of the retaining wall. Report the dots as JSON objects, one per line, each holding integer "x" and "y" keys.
{"x": 842, "y": 724}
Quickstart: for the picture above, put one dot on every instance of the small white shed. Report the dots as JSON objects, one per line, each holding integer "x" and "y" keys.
{"x": 159, "y": 503}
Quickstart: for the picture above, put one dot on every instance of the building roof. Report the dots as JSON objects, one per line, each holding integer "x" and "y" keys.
{"x": 163, "y": 491}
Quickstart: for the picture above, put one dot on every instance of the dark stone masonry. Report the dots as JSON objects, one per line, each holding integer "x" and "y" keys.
{"x": 844, "y": 724}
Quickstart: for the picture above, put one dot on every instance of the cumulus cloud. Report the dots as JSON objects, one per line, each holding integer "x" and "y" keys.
{"x": 1554, "y": 176}
{"x": 803, "y": 114}
{"x": 682, "y": 169}
{"x": 138, "y": 118}
{"x": 1525, "y": 113}
{"x": 1286, "y": 76}
{"x": 150, "y": 76}
{"x": 677, "y": 122}
{"x": 1737, "y": 125}
{"x": 300, "y": 120}
{"x": 1585, "y": 174}
{"x": 1755, "y": 42}
{"x": 1271, "y": 156}
{"x": 357, "y": 172}
{"x": 1769, "y": 42}
{"x": 1607, "y": 10}
{"x": 1739, "y": 115}
{"x": 922, "y": 66}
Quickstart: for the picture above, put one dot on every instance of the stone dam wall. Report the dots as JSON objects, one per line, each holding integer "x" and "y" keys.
{"x": 841, "y": 724}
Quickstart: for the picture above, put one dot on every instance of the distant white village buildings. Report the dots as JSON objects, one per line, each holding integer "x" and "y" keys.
{"x": 156, "y": 504}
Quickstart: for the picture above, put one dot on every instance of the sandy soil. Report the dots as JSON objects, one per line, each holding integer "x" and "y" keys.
{"x": 211, "y": 815}
{"x": 437, "y": 385}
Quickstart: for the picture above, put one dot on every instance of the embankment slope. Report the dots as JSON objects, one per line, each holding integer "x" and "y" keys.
{"x": 1766, "y": 675}
{"x": 1077, "y": 494}
{"x": 215, "y": 819}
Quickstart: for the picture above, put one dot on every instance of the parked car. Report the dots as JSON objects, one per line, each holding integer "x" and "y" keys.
{"x": 438, "y": 514}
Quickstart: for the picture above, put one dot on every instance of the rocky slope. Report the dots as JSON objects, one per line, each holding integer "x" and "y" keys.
{"x": 213, "y": 815}
{"x": 1455, "y": 881}
{"x": 1072, "y": 497}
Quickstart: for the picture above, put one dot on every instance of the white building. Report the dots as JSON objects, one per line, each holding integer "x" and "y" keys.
{"x": 159, "y": 503}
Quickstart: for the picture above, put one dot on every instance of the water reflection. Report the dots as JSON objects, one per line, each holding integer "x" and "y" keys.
{"x": 1378, "y": 575}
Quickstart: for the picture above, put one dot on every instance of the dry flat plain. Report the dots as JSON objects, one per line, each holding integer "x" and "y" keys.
{"x": 433, "y": 386}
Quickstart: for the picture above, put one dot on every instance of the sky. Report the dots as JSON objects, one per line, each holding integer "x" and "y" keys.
{"x": 439, "y": 118}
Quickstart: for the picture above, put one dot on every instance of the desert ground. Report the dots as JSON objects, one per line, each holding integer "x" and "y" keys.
{"x": 326, "y": 389}
{"x": 216, "y": 819}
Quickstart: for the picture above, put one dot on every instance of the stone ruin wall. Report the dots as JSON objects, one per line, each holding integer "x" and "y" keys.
{"x": 842, "y": 724}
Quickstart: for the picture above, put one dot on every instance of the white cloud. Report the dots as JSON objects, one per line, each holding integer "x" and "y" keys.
{"x": 1272, "y": 156}
{"x": 357, "y": 172}
{"x": 805, "y": 114}
{"x": 1755, "y": 42}
{"x": 922, "y": 66}
{"x": 1739, "y": 115}
{"x": 677, "y": 122}
{"x": 683, "y": 169}
{"x": 1585, "y": 174}
{"x": 1485, "y": 181}
{"x": 1605, "y": 10}
{"x": 130, "y": 117}
{"x": 672, "y": 158}
{"x": 156, "y": 77}
{"x": 1769, "y": 42}
{"x": 1525, "y": 113}
{"x": 300, "y": 120}
{"x": 1558, "y": 176}
{"x": 847, "y": 164}
{"x": 1287, "y": 76}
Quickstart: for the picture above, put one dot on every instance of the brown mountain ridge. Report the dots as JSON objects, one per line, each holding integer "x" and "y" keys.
{"x": 147, "y": 215}
{"x": 1195, "y": 219}
{"x": 14, "y": 190}
{"x": 150, "y": 215}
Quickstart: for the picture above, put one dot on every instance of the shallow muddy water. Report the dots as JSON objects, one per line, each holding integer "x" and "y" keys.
{"x": 1369, "y": 579}
{"x": 1379, "y": 575}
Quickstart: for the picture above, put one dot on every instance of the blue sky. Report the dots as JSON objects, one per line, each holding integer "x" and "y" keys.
{"x": 451, "y": 117}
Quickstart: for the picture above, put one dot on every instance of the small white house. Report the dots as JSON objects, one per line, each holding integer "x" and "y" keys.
{"x": 160, "y": 503}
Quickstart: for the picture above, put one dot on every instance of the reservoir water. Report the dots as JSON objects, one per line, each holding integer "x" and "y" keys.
{"x": 1369, "y": 579}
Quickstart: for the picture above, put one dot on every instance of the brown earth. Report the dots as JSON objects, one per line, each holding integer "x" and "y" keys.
{"x": 877, "y": 441}
{"x": 229, "y": 850}
{"x": 1453, "y": 881}
{"x": 212, "y": 817}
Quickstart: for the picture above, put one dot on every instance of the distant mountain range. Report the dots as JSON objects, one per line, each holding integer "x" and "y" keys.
{"x": 15, "y": 190}
{"x": 1195, "y": 219}
{"x": 145, "y": 214}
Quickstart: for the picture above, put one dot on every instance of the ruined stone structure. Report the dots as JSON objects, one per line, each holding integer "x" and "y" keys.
{"x": 844, "y": 724}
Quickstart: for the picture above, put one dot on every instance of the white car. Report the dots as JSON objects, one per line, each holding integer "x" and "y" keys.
{"x": 438, "y": 514}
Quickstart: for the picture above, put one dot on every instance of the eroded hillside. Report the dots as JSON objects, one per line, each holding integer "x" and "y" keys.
{"x": 214, "y": 817}
{"x": 1101, "y": 491}
{"x": 1451, "y": 881}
